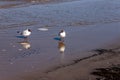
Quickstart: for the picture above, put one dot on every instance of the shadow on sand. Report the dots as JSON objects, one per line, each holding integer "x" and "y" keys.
{"x": 57, "y": 38}
{"x": 21, "y": 37}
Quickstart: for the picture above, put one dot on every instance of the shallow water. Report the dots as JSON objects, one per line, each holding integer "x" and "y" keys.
{"x": 89, "y": 25}
{"x": 76, "y": 13}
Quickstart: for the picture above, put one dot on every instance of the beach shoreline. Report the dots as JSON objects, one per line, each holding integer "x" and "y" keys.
{"x": 15, "y": 3}
{"x": 81, "y": 69}
{"x": 92, "y": 40}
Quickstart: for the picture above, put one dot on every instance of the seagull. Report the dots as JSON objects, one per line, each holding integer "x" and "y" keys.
{"x": 62, "y": 34}
{"x": 26, "y": 33}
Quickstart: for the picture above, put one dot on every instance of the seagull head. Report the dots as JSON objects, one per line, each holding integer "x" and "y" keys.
{"x": 29, "y": 30}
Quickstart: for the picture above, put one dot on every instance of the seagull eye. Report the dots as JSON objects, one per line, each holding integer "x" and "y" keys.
{"x": 29, "y": 30}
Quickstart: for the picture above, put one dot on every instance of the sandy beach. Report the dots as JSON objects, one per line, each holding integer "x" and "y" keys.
{"x": 83, "y": 69}
{"x": 91, "y": 48}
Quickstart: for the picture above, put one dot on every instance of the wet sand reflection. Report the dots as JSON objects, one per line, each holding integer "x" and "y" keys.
{"x": 25, "y": 44}
{"x": 61, "y": 48}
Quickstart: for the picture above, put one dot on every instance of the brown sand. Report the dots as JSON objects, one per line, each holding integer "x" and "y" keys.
{"x": 80, "y": 69}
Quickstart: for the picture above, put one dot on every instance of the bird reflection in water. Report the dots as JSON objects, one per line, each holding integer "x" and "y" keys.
{"x": 61, "y": 47}
{"x": 25, "y": 44}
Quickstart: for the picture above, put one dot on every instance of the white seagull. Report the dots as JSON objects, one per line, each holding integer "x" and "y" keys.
{"x": 62, "y": 34}
{"x": 26, "y": 33}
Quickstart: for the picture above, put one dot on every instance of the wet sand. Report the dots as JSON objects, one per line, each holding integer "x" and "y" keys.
{"x": 40, "y": 57}
{"x": 82, "y": 69}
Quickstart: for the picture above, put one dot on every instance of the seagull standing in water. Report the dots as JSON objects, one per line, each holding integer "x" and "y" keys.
{"x": 62, "y": 35}
{"x": 25, "y": 33}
